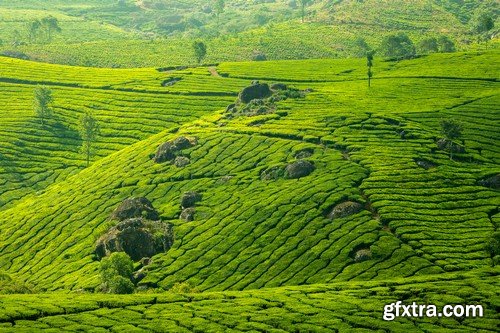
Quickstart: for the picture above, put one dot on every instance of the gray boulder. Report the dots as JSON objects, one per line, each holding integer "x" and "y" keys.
{"x": 255, "y": 91}
{"x": 137, "y": 237}
{"x": 299, "y": 169}
{"x": 345, "y": 209}
{"x": 133, "y": 208}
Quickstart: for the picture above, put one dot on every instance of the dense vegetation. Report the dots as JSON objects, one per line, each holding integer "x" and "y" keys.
{"x": 348, "y": 307}
{"x": 160, "y": 33}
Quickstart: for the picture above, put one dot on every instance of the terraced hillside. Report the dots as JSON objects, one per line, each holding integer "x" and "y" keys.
{"x": 421, "y": 213}
{"x": 160, "y": 33}
{"x": 339, "y": 307}
{"x": 131, "y": 105}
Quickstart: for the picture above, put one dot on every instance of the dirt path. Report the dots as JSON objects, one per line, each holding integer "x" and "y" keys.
{"x": 213, "y": 71}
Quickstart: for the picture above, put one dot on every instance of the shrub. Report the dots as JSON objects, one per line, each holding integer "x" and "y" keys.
{"x": 493, "y": 246}
{"x": 445, "y": 45}
{"x": 183, "y": 288}
{"x": 9, "y": 285}
{"x": 428, "y": 45}
{"x": 398, "y": 46}
{"x": 120, "y": 285}
{"x": 116, "y": 272}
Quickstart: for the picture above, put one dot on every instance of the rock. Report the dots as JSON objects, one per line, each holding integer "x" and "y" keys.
{"x": 188, "y": 214}
{"x": 231, "y": 107}
{"x": 345, "y": 209}
{"x": 445, "y": 144}
{"x": 146, "y": 261}
{"x": 304, "y": 153}
{"x": 138, "y": 276}
{"x": 255, "y": 91}
{"x": 425, "y": 164}
{"x": 135, "y": 207}
{"x": 168, "y": 151}
{"x": 491, "y": 182}
{"x": 363, "y": 255}
{"x": 272, "y": 173}
{"x": 279, "y": 86}
{"x": 298, "y": 169}
{"x": 189, "y": 199}
{"x": 170, "y": 82}
{"x": 137, "y": 237}
{"x": 181, "y": 161}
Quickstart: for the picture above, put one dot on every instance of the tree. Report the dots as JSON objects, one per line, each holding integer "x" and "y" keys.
{"x": 445, "y": 45}
{"x": 361, "y": 47}
{"x": 303, "y": 4}
{"x": 89, "y": 130}
{"x": 398, "y": 46}
{"x": 428, "y": 45}
{"x": 33, "y": 27}
{"x": 116, "y": 273}
{"x": 451, "y": 130}
{"x": 481, "y": 24}
{"x": 200, "y": 51}
{"x": 219, "y": 6}
{"x": 42, "y": 99}
{"x": 369, "y": 63}
{"x": 50, "y": 25}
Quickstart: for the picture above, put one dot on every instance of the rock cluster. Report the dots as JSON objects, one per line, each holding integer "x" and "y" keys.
{"x": 139, "y": 232}
{"x": 255, "y": 91}
{"x": 172, "y": 149}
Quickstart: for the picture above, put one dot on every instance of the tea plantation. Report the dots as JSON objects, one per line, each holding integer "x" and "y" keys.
{"x": 266, "y": 250}
{"x": 160, "y": 32}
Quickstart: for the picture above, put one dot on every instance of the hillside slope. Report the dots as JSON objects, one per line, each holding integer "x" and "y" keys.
{"x": 423, "y": 213}
{"x": 345, "y": 307}
{"x": 99, "y": 35}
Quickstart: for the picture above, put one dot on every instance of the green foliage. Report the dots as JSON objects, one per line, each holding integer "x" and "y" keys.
{"x": 369, "y": 62}
{"x": 89, "y": 130}
{"x": 200, "y": 51}
{"x": 42, "y": 30}
{"x": 116, "y": 272}
{"x": 183, "y": 288}
{"x": 9, "y": 285}
{"x": 42, "y": 99}
{"x": 493, "y": 245}
{"x": 428, "y": 45}
{"x": 346, "y": 306}
{"x": 451, "y": 129}
{"x": 445, "y": 44}
{"x": 250, "y": 233}
{"x": 398, "y": 46}
{"x": 482, "y": 22}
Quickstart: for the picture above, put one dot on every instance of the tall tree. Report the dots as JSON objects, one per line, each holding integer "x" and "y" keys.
{"x": 33, "y": 29}
{"x": 303, "y": 4}
{"x": 451, "y": 130}
{"x": 369, "y": 63}
{"x": 50, "y": 25}
{"x": 89, "y": 130}
{"x": 42, "y": 99}
{"x": 200, "y": 51}
{"x": 219, "y": 6}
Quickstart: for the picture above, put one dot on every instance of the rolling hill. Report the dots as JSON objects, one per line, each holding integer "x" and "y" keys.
{"x": 160, "y": 33}
{"x": 316, "y": 207}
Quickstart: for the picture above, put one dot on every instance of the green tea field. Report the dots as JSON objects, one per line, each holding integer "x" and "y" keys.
{"x": 422, "y": 216}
